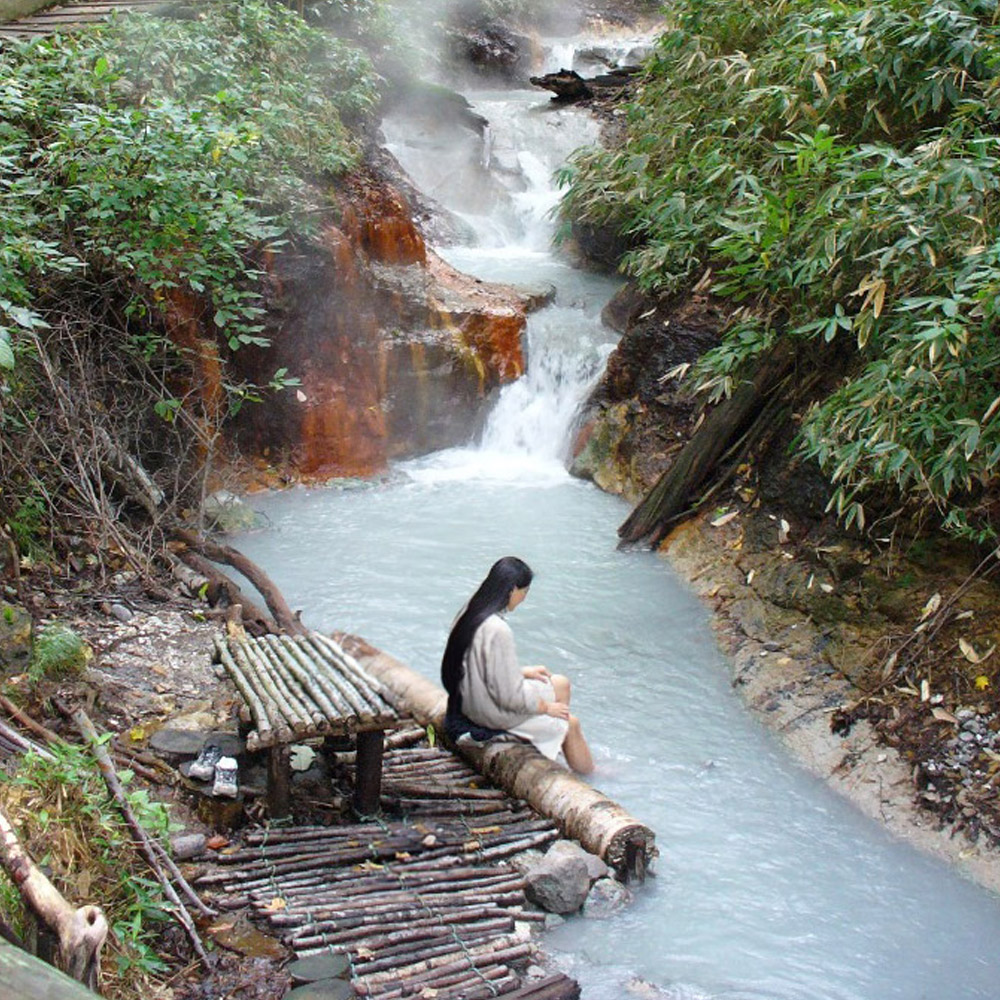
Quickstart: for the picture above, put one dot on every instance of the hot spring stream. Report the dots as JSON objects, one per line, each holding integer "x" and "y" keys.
{"x": 768, "y": 885}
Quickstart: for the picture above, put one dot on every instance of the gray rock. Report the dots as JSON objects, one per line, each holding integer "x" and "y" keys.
{"x": 187, "y": 845}
{"x": 553, "y": 920}
{"x": 122, "y": 613}
{"x": 526, "y": 860}
{"x": 596, "y": 868}
{"x": 606, "y": 896}
{"x": 559, "y": 885}
{"x": 226, "y": 512}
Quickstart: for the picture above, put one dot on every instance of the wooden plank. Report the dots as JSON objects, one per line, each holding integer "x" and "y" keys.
{"x": 23, "y": 975}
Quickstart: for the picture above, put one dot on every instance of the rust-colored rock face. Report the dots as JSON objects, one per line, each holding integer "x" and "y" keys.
{"x": 396, "y": 351}
{"x": 184, "y": 315}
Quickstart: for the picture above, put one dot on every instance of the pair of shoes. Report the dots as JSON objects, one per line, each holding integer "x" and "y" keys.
{"x": 212, "y": 765}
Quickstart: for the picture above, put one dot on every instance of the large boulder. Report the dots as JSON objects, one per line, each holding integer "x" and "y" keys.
{"x": 558, "y": 884}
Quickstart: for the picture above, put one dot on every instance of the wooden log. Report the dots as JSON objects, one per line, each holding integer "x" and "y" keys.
{"x": 583, "y": 813}
{"x": 279, "y": 779}
{"x": 21, "y": 744}
{"x": 154, "y": 853}
{"x": 266, "y": 699}
{"x": 320, "y": 690}
{"x": 557, "y": 987}
{"x": 365, "y": 682}
{"x": 223, "y": 591}
{"x": 22, "y": 717}
{"x": 273, "y": 685}
{"x": 302, "y": 708}
{"x": 330, "y": 670}
{"x": 670, "y": 498}
{"x": 301, "y": 693}
{"x": 276, "y": 603}
{"x": 263, "y": 735}
{"x": 23, "y": 975}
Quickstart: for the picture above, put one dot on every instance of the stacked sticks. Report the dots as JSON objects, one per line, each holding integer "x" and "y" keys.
{"x": 297, "y": 687}
{"x": 429, "y": 906}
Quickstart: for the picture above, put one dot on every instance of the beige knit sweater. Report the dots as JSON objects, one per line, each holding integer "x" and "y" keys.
{"x": 493, "y": 689}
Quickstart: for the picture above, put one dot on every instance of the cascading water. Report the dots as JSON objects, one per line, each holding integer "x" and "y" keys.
{"x": 770, "y": 887}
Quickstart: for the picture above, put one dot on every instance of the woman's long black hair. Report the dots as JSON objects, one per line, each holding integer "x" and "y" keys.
{"x": 492, "y": 596}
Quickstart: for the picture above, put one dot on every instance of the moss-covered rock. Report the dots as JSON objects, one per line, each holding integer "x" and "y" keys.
{"x": 15, "y": 638}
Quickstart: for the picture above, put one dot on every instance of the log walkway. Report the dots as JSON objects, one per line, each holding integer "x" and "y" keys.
{"x": 71, "y": 16}
{"x": 425, "y": 905}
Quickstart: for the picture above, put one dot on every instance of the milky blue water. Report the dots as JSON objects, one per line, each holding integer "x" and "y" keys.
{"x": 769, "y": 886}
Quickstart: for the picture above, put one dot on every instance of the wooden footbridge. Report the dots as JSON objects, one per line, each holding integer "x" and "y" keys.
{"x": 23, "y": 19}
{"x": 426, "y": 904}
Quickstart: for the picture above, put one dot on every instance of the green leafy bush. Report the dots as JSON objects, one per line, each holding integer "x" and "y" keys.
{"x": 836, "y": 167}
{"x": 168, "y": 153}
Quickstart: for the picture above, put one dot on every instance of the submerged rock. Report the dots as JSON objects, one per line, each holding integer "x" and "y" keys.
{"x": 606, "y": 897}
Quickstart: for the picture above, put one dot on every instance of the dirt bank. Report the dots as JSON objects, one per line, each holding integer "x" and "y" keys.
{"x": 870, "y": 655}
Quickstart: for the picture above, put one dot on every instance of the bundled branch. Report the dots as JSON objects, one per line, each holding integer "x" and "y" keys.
{"x": 302, "y": 686}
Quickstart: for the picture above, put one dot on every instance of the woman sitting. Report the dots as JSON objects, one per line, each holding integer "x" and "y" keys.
{"x": 489, "y": 695}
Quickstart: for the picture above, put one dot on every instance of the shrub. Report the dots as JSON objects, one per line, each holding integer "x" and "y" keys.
{"x": 836, "y": 167}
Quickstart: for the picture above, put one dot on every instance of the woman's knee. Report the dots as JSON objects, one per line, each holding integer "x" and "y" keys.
{"x": 562, "y": 687}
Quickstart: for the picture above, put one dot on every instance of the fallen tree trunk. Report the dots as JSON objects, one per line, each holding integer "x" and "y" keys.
{"x": 750, "y": 411}
{"x": 583, "y": 813}
{"x": 79, "y": 932}
{"x": 276, "y": 603}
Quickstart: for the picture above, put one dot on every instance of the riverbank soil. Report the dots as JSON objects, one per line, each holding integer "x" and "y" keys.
{"x": 872, "y": 656}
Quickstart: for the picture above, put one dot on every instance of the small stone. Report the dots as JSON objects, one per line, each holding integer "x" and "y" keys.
{"x": 122, "y": 613}
{"x": 553, "y": 920}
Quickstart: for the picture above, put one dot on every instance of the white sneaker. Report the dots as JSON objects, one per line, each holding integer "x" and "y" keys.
{"x": 203, "y": 766}
{"x": 225, "y": 777}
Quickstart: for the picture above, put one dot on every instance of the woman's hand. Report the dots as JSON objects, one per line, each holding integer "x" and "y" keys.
{"x": 535, "y": 673}
{"x": 556, "y": 709}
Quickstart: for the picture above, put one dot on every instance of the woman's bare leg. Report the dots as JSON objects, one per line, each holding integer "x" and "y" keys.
{"x": 575, "y": 748}
{"x": 561, "y": 686}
